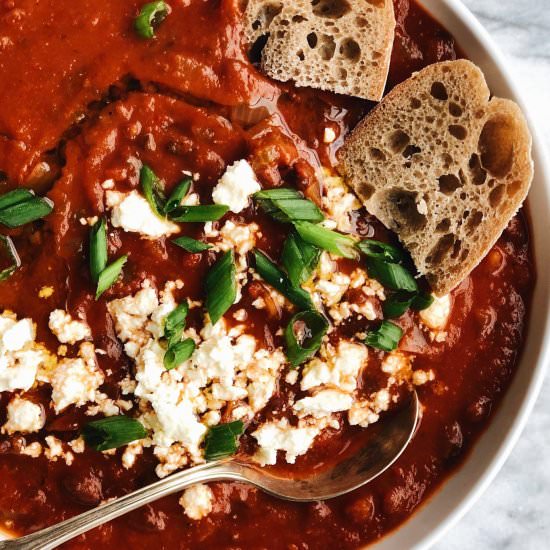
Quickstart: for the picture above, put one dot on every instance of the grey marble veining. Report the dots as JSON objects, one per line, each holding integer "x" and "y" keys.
{"x": 514, "y": 513}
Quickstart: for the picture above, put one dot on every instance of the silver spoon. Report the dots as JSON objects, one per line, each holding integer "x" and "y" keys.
{"x": 388, "y": 442}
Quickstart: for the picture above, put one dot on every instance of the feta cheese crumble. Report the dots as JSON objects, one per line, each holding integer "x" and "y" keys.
{"x": 23, "y": 416}
{"x": 197, "y": 501}
{"x": 437, "y": 315}
{"x": 279, "y": 435}
{"x": 66, "y": 329}
{"x": 132, "y": 213}
{"x": 20, "y": 356}
{"x": 236, "y": 186}
{"x": 76, "y": 380}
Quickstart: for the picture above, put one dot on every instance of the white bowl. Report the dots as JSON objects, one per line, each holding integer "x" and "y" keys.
{"x": 461, "y": 490}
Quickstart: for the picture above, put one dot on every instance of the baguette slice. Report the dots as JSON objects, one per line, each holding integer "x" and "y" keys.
{"x": 443, "y": 166}
{"x": 339, "y": 45}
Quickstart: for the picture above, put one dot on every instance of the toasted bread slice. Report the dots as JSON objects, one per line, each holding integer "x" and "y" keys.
{"x": 442, "y": 165}
{"x": 339, "y": 45}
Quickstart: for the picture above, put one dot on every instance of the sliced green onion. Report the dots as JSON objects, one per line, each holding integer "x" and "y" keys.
{"x": 109, "y": 275}
{"x": 113, "y": 432}
{"x": 303, "y": 336}
{"x": 392, "y": 276}
{"x": 150, "y": 16}
{"x": 202, "y": 213}
{"x": 150, "y": 186}
{"x": 334, "y": 242}
{"x": 422, "y": 301}
{"x": 178, "y": 353}
{"x": 15, "y": 197}
{"x": 7, "y": 249}
{"x": 191, "y": 245}
{"x": 98, "y": 249}
{"x": 25, "y": 212}
{"x": 221, "y": 440}
{"x": 272, "y": 275}
{"x": 299, "y": 258}
{"x": 381, "y": 251}
{"x": 287, "y": 205}
{"x": 177, "y": 195}
{"x": 386, "y": 337}
{"x": 221, "y": 286}
{"x": 280, "y": 193}
{"x": 176, "y": 318}
{"x": 396, "y": 304}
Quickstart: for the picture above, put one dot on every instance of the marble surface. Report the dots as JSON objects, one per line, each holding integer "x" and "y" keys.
{"x": 514, "y": 512}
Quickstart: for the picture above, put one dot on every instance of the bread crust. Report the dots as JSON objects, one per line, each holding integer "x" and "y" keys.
{"x": 343, "y": 46}
{"x": 444, "y": 166}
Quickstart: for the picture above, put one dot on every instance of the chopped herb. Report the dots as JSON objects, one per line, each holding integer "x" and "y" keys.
{"x": 176, "y": 354}
{"x": 386, "y": 337}
{"x": 422, "y": 301}
{"x": 191, "y": 245}
{"x": 174, "y": 201}
{"x": 221, "y": 440}
{"x": 150, "y": 185}
{"x": 109, "y": 275}
{"x": 278, "y": 280}
{"x": 392, "y": 276}
{"x": 299, "y": 258}
{"x": 98, "y": 249}
{"x": 397, "y": 303}
{"x": 176, "y": 318}
{"x": 303, "y": 336}
{"x": 8, "y": 251}
{"x": 287, "y": 205}
{"x": 381, "y": 251}
{"x": 337, "y": 243}
{"x": 16, "y": 196}
{"x": 150, "y": 16}
{"x": 221, "y": 286}
{"x": 113, "y": 432}
{"x": 202, "y": 213}
{"x": 21, "y": 206}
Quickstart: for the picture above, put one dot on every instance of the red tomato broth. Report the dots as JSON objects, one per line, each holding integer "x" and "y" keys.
{"x": 187, "y": 90}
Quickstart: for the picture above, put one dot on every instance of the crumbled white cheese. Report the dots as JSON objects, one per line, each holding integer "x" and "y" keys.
{"x": 281, "y": 436}
{"x": 55, "y": 450}
{"x": 327, "y": 285}
{"x": 66, "y": 329}
{"x": 20, "y": 356}
{"x": 339, "y": 202}
{"x": 437, "y": 315}
{"x": 34, "y": 450}
{"x": 329, "y": 135}
{"x": 179, "y": 405}
{"x": 131, "y": 212}
{"x": 421, "y": 377}
{"x": 236, "y": 186}
{"x": 24, "y": 416}
{"x": 323, "y": 403}
{"x": 399, "y": 366}
{"x": 240, "y": 237}
{"x": 75, "y": 380}
{"x": 339, "y": 368}
{"x": 365, "y": 412}
{"x": 197, "y": 501}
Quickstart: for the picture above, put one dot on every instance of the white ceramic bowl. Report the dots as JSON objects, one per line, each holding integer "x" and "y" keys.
{"x": 460, "y": 492}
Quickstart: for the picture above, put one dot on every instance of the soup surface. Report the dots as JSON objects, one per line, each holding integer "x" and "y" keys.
{"x": 86, "y": 103}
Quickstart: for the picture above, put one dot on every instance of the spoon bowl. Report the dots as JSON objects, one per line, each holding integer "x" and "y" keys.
{"x": 377, "y": 454}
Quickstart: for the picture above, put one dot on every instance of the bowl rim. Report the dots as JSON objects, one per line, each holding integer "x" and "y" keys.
{"x": 464, "y": 487}
{"x": 424, "y": 528}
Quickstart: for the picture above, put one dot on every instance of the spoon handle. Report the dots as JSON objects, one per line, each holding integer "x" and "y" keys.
{"x": 53, "y": 536}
